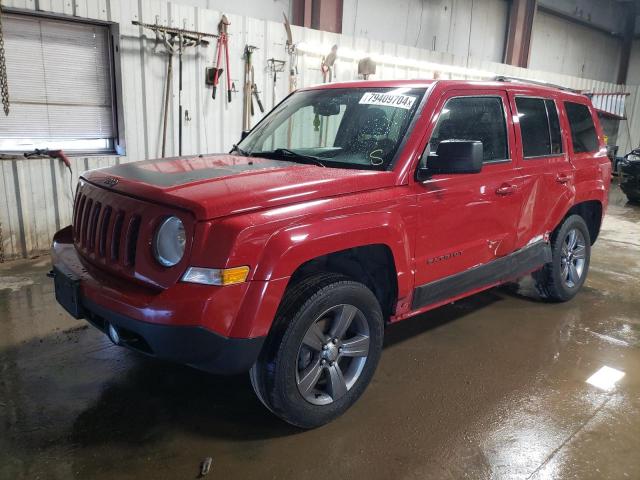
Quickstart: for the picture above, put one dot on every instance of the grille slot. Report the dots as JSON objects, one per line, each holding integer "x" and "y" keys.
{"x": 93, "y": 226}
{"x": 77, "y": 218}
{"x": 116, "y": 236}
{"x": 131, "y": 240}
{"x": 86, "y": 214}
{"x": 104, "y": 230}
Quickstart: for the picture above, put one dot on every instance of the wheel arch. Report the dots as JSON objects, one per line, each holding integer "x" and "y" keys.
{"x": 591, "y": 212}
{"x": 372, "y": 265}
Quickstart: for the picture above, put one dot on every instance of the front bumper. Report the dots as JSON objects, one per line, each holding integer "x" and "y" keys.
{"x": 186, "y": 323}
{"x": 194, "y": 346}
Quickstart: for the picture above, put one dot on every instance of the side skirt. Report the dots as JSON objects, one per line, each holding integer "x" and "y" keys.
{"x": 501, "y": 270}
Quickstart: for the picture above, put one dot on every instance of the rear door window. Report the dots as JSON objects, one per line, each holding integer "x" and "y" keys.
{"x": 539, "y": 127}
{"x": 583, "y": 131}
{"x": 473, "y": 118}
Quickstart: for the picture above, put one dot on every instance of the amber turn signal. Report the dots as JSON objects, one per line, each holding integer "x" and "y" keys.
{"x": 216, "y": 276}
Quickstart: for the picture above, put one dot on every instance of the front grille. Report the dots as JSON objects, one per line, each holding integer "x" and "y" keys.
{"x": 98, "y": 230}
{"x": 113, "y": 231}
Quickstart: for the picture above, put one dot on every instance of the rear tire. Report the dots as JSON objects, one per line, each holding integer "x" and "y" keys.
{"x": 561, "y": 279}
{"x": 322, "y": 350}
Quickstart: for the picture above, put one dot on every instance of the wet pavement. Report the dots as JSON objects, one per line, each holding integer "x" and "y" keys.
{"x": 490, "y": 387}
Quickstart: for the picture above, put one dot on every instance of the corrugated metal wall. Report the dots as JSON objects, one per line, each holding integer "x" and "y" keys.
{"x": 36, "y": 194}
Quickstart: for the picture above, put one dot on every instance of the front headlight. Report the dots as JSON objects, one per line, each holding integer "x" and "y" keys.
{"x": 633, "y": 158}
{"x": 169, "y": 242}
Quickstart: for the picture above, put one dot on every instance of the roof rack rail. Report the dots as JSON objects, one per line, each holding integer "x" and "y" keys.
{"x": 508, "y": 78}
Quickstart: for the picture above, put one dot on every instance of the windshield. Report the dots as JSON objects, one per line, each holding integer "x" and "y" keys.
{"x": 336, "y": 127}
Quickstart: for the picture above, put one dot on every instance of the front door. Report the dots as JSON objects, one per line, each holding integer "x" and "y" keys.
{"x": 466, "y": 221}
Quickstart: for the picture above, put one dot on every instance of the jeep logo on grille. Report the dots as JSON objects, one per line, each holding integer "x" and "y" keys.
{"x": 110, "y": 181}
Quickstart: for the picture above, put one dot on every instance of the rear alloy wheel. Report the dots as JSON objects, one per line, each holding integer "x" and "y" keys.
{"x": 563, "y": 277}
{"x": 322, "y": 351}
{"x": 572, "y": 258}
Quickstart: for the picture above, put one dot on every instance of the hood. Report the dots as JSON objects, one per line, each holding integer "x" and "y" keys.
{"x": 221, "y": 185}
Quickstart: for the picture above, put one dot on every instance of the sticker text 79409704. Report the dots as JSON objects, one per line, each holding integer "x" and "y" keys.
{"x": 397, "y": 100}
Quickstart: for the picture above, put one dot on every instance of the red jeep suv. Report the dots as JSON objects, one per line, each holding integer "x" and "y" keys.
{"x": 348, "y": 207}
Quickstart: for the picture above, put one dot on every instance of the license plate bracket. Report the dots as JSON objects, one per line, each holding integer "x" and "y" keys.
{"x": 67, "y": 291}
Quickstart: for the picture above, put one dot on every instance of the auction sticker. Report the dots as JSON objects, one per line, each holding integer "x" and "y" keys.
{"x": 396, "y": 100}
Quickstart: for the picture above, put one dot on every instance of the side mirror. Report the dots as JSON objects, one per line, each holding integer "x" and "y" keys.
{"x": 244, "y": 134}
{"x": 454, "y": 156}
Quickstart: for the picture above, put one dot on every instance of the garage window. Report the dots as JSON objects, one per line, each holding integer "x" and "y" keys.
{"x": 583, "y": 131}
{"x": 60, "y": 86}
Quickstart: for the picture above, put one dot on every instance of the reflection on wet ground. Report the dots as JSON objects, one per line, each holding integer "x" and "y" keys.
{"x": 490, "y": 387}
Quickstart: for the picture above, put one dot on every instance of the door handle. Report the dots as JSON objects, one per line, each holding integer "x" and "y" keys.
{"x": 563, "y": 178}
{"x": 506, "y": 189}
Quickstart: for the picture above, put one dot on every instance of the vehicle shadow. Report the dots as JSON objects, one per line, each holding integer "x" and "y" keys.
{"x": 154, "y": 397}
{"x": 78, "y": 389}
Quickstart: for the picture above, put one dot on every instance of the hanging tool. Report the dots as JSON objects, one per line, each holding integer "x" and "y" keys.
{"x": 4, "y": 83}
{"x": 292, "y": 51}
{"x": 250, "y": 88}
{"x": 327, "y": 65}
{"x": 59, "y": 154}
{"x": 275, "y": 66}
{"x": 223, "y": 44}
{"x": 175, "y": 40}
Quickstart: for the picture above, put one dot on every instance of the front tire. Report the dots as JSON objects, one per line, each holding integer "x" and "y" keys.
{"x": 322, "y": 351}
{"x": 561, "y": 279}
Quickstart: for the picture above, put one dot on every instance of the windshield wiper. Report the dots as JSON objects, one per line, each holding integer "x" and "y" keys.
{"x": 236, "y": 148}
{"x": 285, "y": 153}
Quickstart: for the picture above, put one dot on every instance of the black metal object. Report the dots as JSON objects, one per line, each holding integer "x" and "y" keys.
{"x": 67, "y": 291}
{"x": 629, "y": 171}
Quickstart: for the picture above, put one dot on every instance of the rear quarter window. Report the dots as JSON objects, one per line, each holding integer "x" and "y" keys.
{"x": 583, "y": 131}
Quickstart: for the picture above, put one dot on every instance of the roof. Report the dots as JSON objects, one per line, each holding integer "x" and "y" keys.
{"x": 420, "y": 83}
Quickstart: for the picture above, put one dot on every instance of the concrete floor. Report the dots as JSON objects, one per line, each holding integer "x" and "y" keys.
{"x": 490, "y": 387}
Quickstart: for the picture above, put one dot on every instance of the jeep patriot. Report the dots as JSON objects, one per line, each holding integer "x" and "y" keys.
{"x": 350, "y": 206}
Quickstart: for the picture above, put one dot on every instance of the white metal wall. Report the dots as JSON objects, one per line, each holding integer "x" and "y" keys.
{"x": 558, "y": 45}
{"x": 461, "y": 27}
{"x": 35, "y": 194}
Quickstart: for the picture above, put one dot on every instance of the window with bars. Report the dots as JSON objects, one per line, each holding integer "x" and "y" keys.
{"x": 60, "y": 76}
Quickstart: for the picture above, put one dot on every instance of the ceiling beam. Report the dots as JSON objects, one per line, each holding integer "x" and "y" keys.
{"x": 518, "y": 45}
{"x": 627, "y": 41}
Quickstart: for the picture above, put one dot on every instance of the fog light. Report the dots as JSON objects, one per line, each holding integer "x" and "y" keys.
{"x": 113, "y": 334}
{"x": 216, "y": 276}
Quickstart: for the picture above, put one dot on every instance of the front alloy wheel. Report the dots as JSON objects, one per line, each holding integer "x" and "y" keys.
{"x": 322, "y": 350}
{"x": 332, "y": 355}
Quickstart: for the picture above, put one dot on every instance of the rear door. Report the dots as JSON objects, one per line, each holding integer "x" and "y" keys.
{"x": 545, "y": 172}
{"x": 467, "y": 220}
